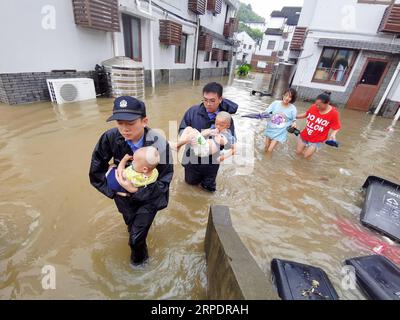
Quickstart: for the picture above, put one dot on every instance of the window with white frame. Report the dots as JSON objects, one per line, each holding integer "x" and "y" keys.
{"x": 334, "y": 65}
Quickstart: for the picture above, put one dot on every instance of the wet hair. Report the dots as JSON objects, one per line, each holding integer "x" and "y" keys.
{"x": 213, "y": 87}
{"x": 225, "y": 117}
{"x": 325, "y": 97}
{"x": 293, "y": 94}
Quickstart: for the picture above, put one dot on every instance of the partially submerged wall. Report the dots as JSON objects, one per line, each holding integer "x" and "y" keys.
{"x": 232, "y": 272}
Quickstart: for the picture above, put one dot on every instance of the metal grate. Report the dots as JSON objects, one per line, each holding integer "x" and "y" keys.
{"x": 68, "y": 92}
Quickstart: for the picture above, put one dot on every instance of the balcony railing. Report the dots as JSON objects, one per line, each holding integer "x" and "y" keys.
{"x": 330, "y": 74}
{"x": 391, "y": 19}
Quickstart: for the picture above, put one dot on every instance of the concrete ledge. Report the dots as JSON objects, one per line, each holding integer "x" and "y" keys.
{"x": 232, "y": 272}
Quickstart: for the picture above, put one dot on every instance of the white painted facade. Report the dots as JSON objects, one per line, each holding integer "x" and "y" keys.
{"x": 247, "y": 47}
{"x": 347, "y": 19}
{"x": 261, "y": 26}
{"x": 45, "y": 36}
{"x": 164, "y": 56}
{"x": 277, "y": 23}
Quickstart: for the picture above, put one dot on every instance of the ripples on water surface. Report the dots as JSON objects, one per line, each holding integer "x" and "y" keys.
{"x": 282, "y": 207}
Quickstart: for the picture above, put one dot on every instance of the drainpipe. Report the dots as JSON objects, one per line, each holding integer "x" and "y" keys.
{"x": 114, "y": 44}
{"x": 196, "y": 54}
{"x": 389, "y": 87}
{"x": 153, "y": 79}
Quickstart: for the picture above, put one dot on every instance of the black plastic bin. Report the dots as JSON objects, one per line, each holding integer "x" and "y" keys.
{"x": 293, "y": 279}
{"x": 381, "y": 210}
{"x": 377, "y": 276}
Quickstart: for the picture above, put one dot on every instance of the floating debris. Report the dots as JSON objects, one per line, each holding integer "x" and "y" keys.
{"x": 344, "y": 172}
{"x": 313, "y": 290}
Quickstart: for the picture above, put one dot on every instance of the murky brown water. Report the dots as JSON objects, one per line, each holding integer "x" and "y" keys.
{"x": 282, "y": 207}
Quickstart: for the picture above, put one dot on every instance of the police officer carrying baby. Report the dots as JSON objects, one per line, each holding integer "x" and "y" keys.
{"x": 137, "y": 208}
{"x": 203, "y": 170}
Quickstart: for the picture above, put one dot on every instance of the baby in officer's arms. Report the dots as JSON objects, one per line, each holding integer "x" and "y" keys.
{"x": 140, "y": 173}
{"x": 210, "y": 141}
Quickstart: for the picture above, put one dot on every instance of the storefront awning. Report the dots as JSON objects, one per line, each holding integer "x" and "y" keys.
{"x": 360, "y": 45}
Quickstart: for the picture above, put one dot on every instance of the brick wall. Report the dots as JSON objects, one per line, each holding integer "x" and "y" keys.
{"x": 3, "y": 95}
{"x": 22, "y": 88}
{"x": 268, "y": 59}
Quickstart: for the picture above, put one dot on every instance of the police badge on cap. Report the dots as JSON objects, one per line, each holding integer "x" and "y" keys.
{"x": 127, "y": 108}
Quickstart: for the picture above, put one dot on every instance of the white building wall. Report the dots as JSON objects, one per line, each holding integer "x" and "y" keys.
{"x": 263, "y": 49}
{"x": 164, "y": 56}
{"x": 259, "y": 26}
{"x": 347, "y": 15}
{"x": 216, "y": 23}
{"x": 201, "y": 64}
{"x": 245, "y": 39}
{"x": 363, "y": 27}
{"x": 27, "y": 47}
{"x": 276, "y": 23}
{"x": 69, "y": 46}
{"x": 290, "y": 30}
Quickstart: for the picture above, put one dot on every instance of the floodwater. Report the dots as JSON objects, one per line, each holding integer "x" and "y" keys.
{"x": 282, "y": 206}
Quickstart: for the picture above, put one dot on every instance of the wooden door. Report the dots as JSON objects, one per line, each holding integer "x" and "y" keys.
{"x": 368, "y": 85}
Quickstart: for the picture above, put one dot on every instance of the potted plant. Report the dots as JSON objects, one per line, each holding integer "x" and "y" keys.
{"x": 243, "y": 70}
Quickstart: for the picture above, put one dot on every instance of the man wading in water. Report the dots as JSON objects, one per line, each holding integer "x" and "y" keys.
{"x": 138, "y": 208}
{"x": 203, "y": 170}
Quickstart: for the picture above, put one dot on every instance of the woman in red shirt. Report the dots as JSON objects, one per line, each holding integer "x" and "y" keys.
{"x": 321, "y": 118}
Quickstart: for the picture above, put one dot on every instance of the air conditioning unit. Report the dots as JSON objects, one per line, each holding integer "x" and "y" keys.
{"x": 71, "y": 90}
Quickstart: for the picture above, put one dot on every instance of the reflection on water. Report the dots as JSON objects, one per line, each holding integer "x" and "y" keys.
{"x": 282, "y": 207}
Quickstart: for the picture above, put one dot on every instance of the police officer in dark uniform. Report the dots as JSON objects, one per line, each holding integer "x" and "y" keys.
{"x": 203, "y": 171}
{"x": 138, "y": 209}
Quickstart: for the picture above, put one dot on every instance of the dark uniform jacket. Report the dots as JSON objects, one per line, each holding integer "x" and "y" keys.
{"x": 197, "y": 117}
{"x": 112, "y": 145}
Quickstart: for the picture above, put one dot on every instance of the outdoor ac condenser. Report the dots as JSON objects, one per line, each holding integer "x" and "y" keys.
{"x": 71, "y": 90}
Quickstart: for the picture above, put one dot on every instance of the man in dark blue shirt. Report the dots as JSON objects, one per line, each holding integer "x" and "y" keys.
{"x": 203, "y": 171}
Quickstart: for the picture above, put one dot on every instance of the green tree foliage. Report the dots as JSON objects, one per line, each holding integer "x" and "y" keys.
{"x": 246, "y": 14}
{"x": 243, "y": 70}
{"x": 256, "y": 34}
